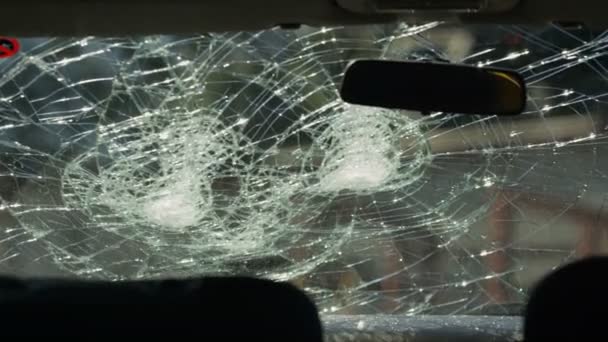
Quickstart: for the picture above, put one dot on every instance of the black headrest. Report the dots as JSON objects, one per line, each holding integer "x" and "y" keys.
{"x": 572, "y": 302}
{"x": 214, "y": 308}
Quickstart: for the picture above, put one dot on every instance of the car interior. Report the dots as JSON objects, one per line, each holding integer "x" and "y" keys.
{"x": 321, "y": 170}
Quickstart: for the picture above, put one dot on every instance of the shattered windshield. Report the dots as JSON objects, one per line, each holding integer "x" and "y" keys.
{"x": 232, "y": 153}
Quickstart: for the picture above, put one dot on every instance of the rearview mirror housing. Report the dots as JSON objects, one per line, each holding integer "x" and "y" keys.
{"x": 434, "y": 87}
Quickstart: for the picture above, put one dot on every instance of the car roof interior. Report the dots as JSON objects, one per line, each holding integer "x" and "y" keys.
{"x": 124, "y": 17}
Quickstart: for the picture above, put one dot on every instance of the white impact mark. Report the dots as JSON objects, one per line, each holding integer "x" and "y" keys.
{"x": 177, "y": 206}
{"x": 363, "y": 155}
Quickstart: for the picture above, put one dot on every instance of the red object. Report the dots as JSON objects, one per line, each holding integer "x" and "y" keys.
{"x": 8, "y": 47}
{"x": 513, "y": 40}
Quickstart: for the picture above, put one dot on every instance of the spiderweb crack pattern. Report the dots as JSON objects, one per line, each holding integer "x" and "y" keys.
{"x": 146, "y": 157}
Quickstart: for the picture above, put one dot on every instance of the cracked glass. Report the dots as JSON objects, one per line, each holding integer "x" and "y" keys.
{"x": 232, "y": 153}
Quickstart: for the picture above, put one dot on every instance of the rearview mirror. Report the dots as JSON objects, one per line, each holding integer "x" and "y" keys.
{"x": 434, "y": 87}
